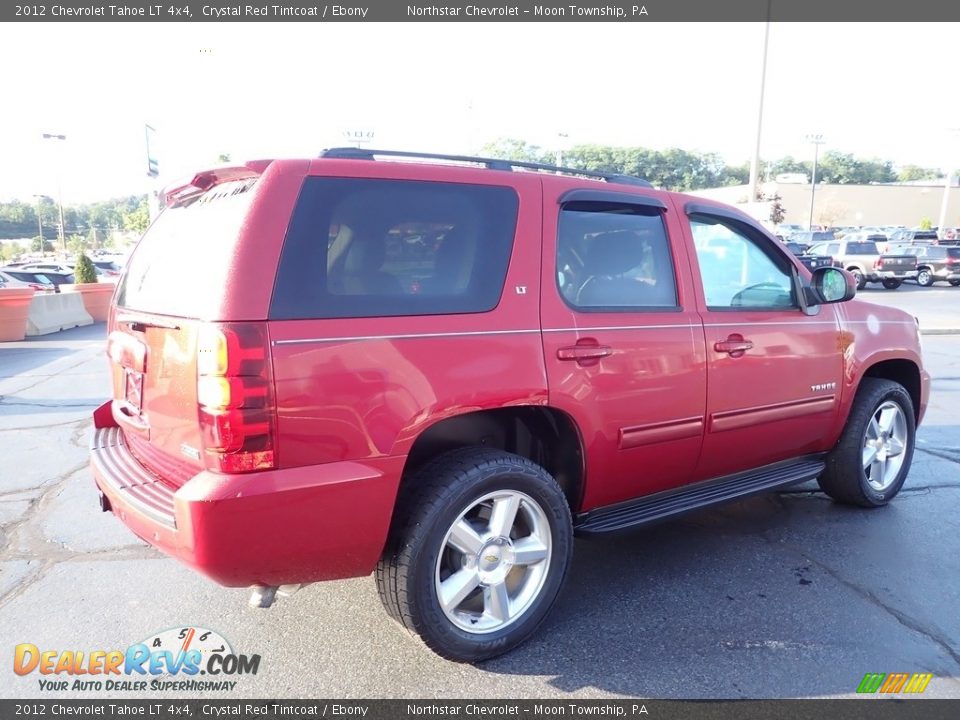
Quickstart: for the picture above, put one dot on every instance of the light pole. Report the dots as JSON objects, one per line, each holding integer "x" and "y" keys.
{"x": 40, "y": 199}
{"x": 817, "y": 141}
{"x": 63, "y": 237}
{"x": 755, "y": 160}
{"x": 561, "y": 141}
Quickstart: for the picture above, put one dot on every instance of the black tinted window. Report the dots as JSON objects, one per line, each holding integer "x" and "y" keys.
{"x": 862, "y": 248}
{"x": 366, "y": 248}
{"x": 614, "y": 257}
{"x": 953, "y": 252}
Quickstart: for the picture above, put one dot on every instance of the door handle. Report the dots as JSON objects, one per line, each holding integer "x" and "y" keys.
{"x": 734, "y": 346}
{"x": 584, "y": 352}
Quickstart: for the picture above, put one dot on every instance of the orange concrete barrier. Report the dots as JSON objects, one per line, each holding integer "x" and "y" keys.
{"x": 14, "y": 304}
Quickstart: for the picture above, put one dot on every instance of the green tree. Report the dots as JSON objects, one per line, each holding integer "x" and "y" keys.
{"x": 137, "y": 219}
{"x": 777, "y": 211}
{"x": 915, "y": 172}
{"x": 84, "y": 272}
{"x": 787, "y": 165}
{"x": 77, "y": 244}
{"x": 519, "y": 150}
{"x": 36, "y": 245}
{"x": 844, "y": 169}
{"x": 926, "y": 223}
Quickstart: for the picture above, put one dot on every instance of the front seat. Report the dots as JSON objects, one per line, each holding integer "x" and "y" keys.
{"x": 608, "y": 258}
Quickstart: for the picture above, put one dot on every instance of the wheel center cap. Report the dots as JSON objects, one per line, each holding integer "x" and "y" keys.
{"x": 490, "y": 557}
{"x": 494, "y": 561}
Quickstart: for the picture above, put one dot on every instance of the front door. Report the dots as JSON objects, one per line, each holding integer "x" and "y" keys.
{"x": 773, "y": 369}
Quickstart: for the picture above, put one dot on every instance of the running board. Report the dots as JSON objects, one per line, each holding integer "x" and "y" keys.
{"x": 670, "y": 503}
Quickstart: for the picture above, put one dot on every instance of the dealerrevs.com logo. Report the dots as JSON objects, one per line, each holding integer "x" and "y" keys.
{"x": 175, "y": 660}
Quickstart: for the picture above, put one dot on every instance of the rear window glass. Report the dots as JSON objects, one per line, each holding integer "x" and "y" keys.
{"x": 953, "y": 252}
{"x": 862, "y": 248}
{"x": 367, "y": 248}
{"x": 181, "y": 263}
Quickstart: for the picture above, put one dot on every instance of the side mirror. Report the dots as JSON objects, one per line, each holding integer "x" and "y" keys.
{"x": 830, "y": 285}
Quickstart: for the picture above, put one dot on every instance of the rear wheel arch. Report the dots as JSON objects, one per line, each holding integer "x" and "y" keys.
{"x": 547, "y": 436}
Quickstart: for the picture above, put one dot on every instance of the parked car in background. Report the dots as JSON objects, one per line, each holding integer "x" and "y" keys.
{"x": 43, "y": 278}
{"x": 788, "y": 229}
{"x": 812, "y": 237}
{"x": 934, "y": 262}
{"x": 67, "y": 269}
{"x": 903, "y": 236}
{"x": 9, "y": 280}
{"x": 859, "y": 255}
{"x": 108, "y": 268}
{"x": 811, "y": 262}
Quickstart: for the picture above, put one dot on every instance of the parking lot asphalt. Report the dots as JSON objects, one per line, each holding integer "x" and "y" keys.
{"x": 937, "y": 307}
{"x": 785, "y": 595}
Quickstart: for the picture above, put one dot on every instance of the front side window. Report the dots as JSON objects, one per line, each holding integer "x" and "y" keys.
{"x": 369, "y": 248}
{"x": 613, "y": 257}
{"x": 737, "y": 270}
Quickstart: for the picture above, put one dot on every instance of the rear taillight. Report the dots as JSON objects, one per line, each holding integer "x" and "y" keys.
{"x": 235, "y": 397}
{"x": 878, "y": 264}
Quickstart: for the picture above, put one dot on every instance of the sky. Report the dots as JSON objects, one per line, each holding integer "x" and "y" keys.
{"x": 291, "y": 89}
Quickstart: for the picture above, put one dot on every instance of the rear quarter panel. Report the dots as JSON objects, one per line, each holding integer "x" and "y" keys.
{"x": 256, "y": 253}
{"x": 352, "y": 389}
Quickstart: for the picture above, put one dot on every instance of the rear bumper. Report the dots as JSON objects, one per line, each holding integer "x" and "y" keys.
{"x": 879, "y": 275}
{"x": 274, "y": 527}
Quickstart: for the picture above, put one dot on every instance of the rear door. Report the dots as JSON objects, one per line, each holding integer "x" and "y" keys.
{"x": 773, "y": 371}
{"x": 622, "y": 339}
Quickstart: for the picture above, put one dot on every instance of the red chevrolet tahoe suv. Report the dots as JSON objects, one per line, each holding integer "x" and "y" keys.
{"x": 442, "y": 369}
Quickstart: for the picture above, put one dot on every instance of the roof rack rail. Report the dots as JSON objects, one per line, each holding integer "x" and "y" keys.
{"x": 355, "y": 153}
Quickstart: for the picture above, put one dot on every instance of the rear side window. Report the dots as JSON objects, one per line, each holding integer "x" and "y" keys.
{"x": 181, "y": 263}
{"x": 862, "y": 248}
{"x": 953, "y": 252}
{"x": 368, "y": 248}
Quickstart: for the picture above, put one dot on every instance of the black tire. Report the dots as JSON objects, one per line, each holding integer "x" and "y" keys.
{"x": 418, "y": 553}
{"x": 891, "y": 284}
{"x": 955, "y": 283}
{"x": 845, "y": 478}
{"x": 859, "y": 278}
{"x": 924, "y": 277}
